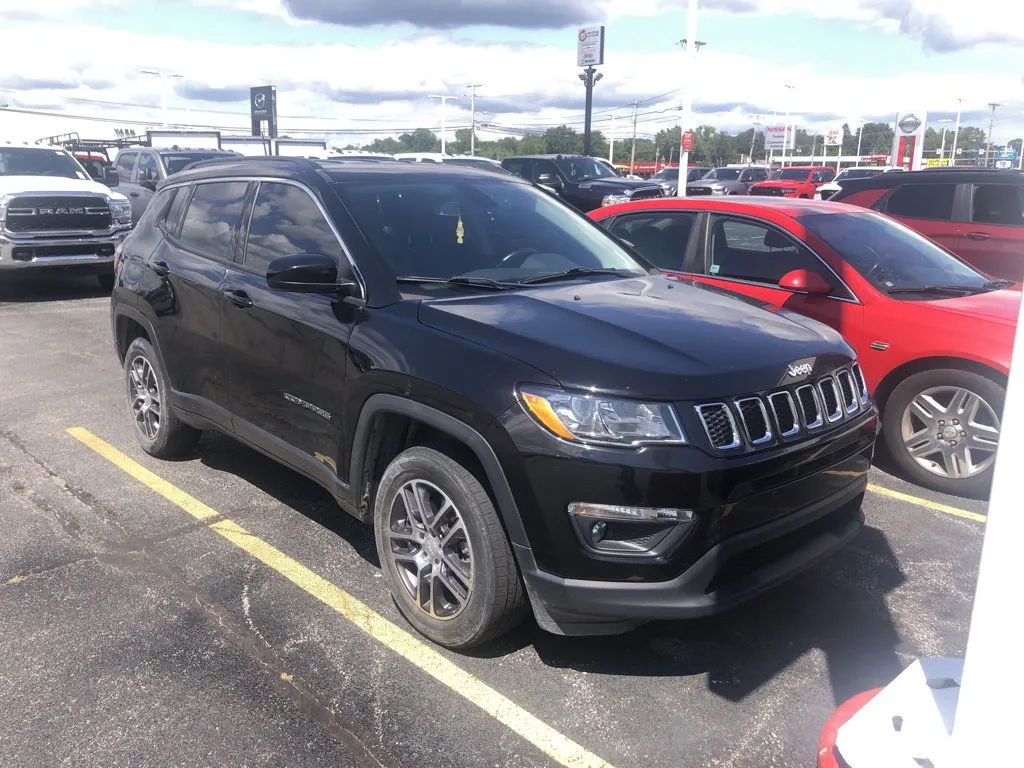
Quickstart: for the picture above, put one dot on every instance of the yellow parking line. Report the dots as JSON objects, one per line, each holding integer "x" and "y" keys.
{"x": 559, "y": 748}
{"x": 932, "y": 505}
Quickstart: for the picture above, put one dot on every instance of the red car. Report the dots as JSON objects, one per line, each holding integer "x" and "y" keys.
{"x": 977, "y": 214}
{"x": 795, "y": 181}
{"x": 933, "y": 334}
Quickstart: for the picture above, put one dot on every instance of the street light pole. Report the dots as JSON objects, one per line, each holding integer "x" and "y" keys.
{"x": 691, "y": 77}
{"x": 472, "y": 112}
{"x": 611, "y": 142}
{"x": 589, "y": 76}
{"x": 753, "y": 136}
{"x": 956, "y": 133}
{"x": 942, "y": 146}
{"x": 163, "y": 88}
{"x": 991, "y": 123}
{"x": 785, "y": 133}
{"x": 860, "y": 135}
{"x": 632, "y": 154}
{"x": 444, "y": 100}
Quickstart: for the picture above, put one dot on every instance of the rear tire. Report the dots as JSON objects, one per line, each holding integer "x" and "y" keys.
{"x": 443, "y": 551}
{"x": 159, "y": 431}
{"x": 961, "y": 409}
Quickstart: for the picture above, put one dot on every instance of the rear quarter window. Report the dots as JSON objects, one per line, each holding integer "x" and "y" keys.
{"x": 922, "y": 201}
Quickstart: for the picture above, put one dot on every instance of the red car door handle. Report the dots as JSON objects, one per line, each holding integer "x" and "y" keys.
{"x": 978, "y": 236}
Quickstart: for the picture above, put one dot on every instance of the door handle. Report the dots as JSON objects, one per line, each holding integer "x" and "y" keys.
{"x": 978, "y": 236}
{"x": 239, "y": 298}
{"x": 133, "y": 194}
{"x": 160, "y": 268}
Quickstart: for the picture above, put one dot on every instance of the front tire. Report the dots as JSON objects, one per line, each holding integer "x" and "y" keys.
{"x": 159, "y": 431}
{"x": 443, "y": 551}
{"x": 941, "y": 428}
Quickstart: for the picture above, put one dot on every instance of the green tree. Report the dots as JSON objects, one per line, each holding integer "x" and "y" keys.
{"x": 420, "y": 140}
{"x": 532, "y": 145}
{"x": 562, "y": 140}
{"x": 971, "y": 139}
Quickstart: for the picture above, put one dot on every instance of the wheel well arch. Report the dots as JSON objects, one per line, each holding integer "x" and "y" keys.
{"x": 127, "y": 329}
{"x": 901, "y": 373}
{"x": 389, "y": 425}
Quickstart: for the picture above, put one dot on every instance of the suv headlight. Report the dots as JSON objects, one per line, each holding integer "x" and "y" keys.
{"x": 601, "y": 420}
{"x": 121, "y": 211}
{"x": 614, "y": 199}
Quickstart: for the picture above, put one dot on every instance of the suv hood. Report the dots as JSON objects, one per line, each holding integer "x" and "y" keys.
{"x": 617, "y": 185}
{"x": 642, "y": 337}
{"x": 14, "y": 184}
{"x": 731, "y": 186}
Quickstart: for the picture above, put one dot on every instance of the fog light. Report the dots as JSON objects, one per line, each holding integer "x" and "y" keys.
{"x": 598, "y": 530}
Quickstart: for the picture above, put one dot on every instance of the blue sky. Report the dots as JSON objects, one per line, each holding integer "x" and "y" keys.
{"x": 849, "y": 59}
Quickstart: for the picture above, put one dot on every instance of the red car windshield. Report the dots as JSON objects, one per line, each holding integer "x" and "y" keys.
{"x": 894, "y": 258}
{"x": 790, "y": 174}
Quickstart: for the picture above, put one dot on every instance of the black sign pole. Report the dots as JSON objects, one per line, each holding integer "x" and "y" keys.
{"x": 588, "y": 75}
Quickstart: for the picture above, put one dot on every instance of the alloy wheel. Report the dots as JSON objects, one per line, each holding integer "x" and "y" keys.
{"x": 430, "y": 549}
{"x": 951, "y": 432}
{"x": 144, "y": 394}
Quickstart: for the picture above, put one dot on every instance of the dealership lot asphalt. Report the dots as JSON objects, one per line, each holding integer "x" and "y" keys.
{"x": 133, "y": 633}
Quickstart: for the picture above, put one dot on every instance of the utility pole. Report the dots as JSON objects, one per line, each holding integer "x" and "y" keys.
{"x": 444, "y": 100}
{"x": 692, "y": 46}
{"x": 860, "y": 135}
{"x": 611, "y": 142}
{"x": 589, "y": 76}
{"x": 942, "y": 146}
{"x": 632, "y": 154}
{"x": 956, "y": 133}
{"x": 785, "y": 133}
{"x": 753, "y": 136}
{"x": 472, "y": 111}
{"x": 991, "y": 123}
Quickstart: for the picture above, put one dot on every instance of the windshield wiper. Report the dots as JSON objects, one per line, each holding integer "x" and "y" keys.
{"x": 474, "y": 282}
{"x": 997, "y": 285}
{"x": 953, "y": 290}
{"x": 570, "y": 273}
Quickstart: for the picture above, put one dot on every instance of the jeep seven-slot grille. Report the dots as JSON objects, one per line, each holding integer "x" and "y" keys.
{"x": 756, "y": 421}
{"x": 719, "y": 426}
{"x": 50, "y": 213}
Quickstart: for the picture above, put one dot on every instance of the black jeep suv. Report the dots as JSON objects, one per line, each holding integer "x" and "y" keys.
{"x": 527, "y": 413}
{"x": 581, "y": 181}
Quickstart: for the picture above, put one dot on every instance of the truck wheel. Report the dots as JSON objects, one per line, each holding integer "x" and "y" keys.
{"x": 443, "y": 551}
{"x": 106, "y": 282}
{"x": 159, "y": 431}
{"x": 941, "y": 427}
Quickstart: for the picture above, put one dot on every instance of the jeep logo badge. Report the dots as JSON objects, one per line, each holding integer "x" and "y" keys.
{"x": 799, "y": 369}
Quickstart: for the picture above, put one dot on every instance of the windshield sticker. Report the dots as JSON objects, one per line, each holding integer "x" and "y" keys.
{"x": 460, "y": 232}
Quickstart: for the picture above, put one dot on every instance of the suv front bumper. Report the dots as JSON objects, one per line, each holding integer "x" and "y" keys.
{"x": 86, "y": 253}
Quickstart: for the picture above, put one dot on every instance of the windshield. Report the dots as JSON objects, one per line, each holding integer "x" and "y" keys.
{"x": 19, "y": 161}
{"x": 584, "y": 168}
{"x": 858, "y": 173}
{"x": 181, "y": 160}
{"x": 667, "y": 174}
{"x": 790, "y": 174}
{"x": 723, "y": 174}
{"x": 890, "y": 255}
{"x": 477, "y": 227}
{"x": 469, "y": 162}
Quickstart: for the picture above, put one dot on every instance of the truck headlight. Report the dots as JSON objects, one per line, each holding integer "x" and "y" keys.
{"x": 718, "y": 190}
{"x": 121, "y": 211}
{"x": 614, "y": 199}
{"x": 596, "y": 419}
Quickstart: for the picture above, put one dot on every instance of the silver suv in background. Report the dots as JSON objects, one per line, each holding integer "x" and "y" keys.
{"x": 728, "y": 181}
{"x": 142, "y": 168}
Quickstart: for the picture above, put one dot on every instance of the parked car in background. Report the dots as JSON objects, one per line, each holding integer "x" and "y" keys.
{"x": 668, "y": 178}
{"x": 933, "y": 334}
{"x": 976, "y": 214}
{"x": 727, "y": 181}
{"x": 525, "y": 412}
{"x": 801, "y": 181}
{"x": 141, "y": 169}
{"x": 581, "y": 181}
{"x": 54, "y": 218}
{"x": 825, "y": 191}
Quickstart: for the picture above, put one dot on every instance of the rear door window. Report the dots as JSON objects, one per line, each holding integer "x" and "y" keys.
{"x": 126, "y": 166}
{"x": 286, "y": 221}
{"x": 660, "y": 238}
{"x": 922, "y": 201}
{"x": 213, "y": 218}
{"x": 1001, "y": 204}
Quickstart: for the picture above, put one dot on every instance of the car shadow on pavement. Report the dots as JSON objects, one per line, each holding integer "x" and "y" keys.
{"x": 224, "y": 454}
{"x": 39, "y": 288}
{"x": 837, "y": 608}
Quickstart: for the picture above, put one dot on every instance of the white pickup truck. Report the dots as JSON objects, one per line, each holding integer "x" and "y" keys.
{"x": 53, "y": 216}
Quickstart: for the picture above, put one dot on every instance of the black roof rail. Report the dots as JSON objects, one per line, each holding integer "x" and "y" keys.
{"x": 296, "y": 162}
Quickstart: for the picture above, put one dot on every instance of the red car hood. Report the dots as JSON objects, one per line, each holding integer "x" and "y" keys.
{"x": 781, "y": 183}
{"x": 996, "y": 306}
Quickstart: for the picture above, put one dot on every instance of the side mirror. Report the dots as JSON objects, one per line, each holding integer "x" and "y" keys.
{"x": 111, "y": 177}
{"x": 306, "y": 273}
{"x": 805, "y": 281}
{"x": 551, "y": 181}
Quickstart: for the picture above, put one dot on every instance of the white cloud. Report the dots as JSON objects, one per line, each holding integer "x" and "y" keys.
{"x": 337, "y": 84}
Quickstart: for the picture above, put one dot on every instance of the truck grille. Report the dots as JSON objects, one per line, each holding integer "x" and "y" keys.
{"x": 49, "y": 213}
{"x": 827, "y": 193}
{"x": 768, "y": 191}
{"x": 645, "y": 193}
{"x": 757, "y": 421}
{"x": 698, "y": 190}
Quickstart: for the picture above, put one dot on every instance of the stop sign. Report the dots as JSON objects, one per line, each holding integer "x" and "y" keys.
{"x": 688, "y": 139}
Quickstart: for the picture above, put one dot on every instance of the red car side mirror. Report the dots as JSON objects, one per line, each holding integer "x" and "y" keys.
{"x": 805, "y": 281}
